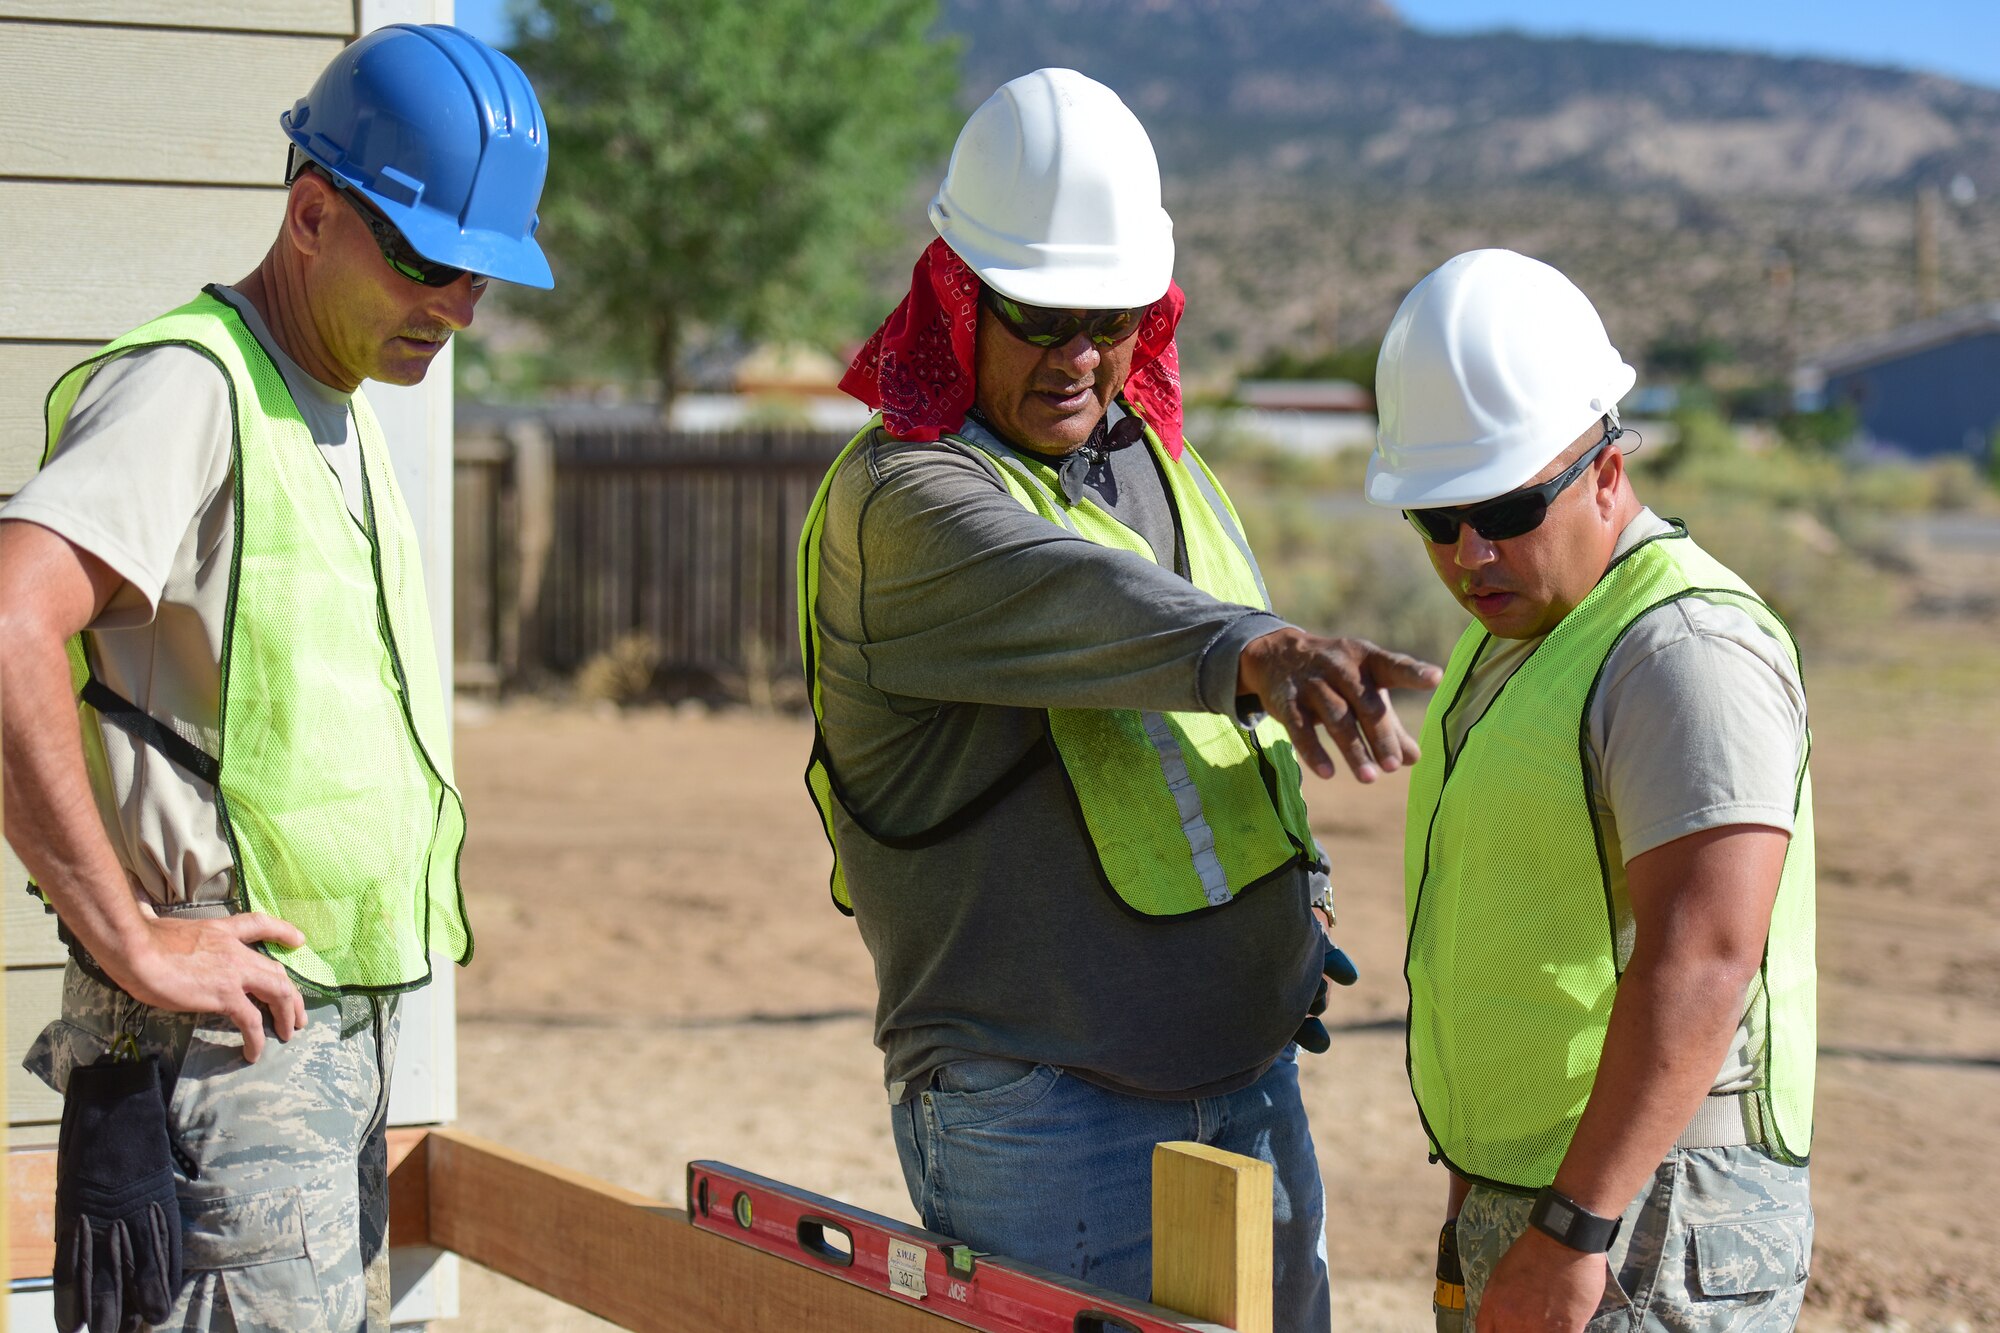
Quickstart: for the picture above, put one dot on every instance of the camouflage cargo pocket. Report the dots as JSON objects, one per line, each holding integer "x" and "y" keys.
{"x": 254, "y": 1247}
{"x": 239, "y": 1230}
{"x": 61, "y": 1047}
{"x": 1749, "y": 1258}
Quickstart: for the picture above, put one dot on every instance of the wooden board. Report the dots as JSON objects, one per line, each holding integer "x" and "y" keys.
{"x": 627, "y": 1259}
{"x": 146, "y": 104}
{"x": 86, "y": 262}
{"x": 34, "y": 996}
{"x": 331, "y": 17}
{"x": 637, "y": 1262}
{"x": 1212, "y": 1235}
{"x": 31, "y": 1212}
{"x": 26, "y": 372}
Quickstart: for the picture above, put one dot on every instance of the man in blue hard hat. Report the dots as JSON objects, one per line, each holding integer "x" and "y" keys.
{"x": 228, "y": 767}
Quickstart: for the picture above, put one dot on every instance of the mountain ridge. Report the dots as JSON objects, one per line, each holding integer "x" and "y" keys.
{"x": 1320, "y": 156}
{"x": 1346, "y": 90}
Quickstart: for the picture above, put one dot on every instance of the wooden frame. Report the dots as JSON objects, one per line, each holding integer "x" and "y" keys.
{"x": 639, "y": 1263}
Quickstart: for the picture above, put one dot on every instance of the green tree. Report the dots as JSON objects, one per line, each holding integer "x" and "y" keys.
{"x": 728, "y": 165}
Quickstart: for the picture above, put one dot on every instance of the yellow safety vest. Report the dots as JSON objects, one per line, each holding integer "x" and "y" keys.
{"x": 1185, "y": 811}
{"x": 1512, "y": 963}
{"x": 333, "y": 780}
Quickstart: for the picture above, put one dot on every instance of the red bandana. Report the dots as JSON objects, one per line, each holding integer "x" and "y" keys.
{"x": 917, "y": 368}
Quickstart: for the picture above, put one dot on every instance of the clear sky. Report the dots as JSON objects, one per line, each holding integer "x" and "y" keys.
{"x": 1956, "y": 37}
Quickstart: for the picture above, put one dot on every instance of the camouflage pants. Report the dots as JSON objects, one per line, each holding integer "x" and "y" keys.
{"x": 1720, "y": 1241}
{"x": 284, "y": 1227}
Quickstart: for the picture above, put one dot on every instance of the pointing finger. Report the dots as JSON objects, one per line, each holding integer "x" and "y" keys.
{"x": 1305, "y": 740}
{"x": 1382, "y": 728}
{"x": 1399, "y": 671}
{"x": 1338, "y": 720}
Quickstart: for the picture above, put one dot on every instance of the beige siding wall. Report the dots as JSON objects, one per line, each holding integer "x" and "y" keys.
{"x": 141, "y": 159}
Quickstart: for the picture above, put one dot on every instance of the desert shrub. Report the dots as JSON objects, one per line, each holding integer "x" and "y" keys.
{"x": 1816, "y": 539}
{"x": 621, "y": 674}
{"x": 1335, "y": 566}
{"x": 1825, "y": 587}
{"x": 1956, "y": 483}
{"x": 1823, "y": 431}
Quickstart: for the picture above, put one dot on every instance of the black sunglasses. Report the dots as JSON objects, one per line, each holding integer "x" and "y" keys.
{"x": 395, "y": 248}
{"x": 1509, "y": 515}
{"x": 1054, "y": 328}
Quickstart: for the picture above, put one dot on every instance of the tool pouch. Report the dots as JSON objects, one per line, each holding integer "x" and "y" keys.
{"x": 118, "y": 1221}
{"x": 1448, "y": 1301}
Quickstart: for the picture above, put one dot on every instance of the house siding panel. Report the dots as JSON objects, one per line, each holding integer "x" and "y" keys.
{"x": 1940, "y": 400}
{"x": 188, "y": 107}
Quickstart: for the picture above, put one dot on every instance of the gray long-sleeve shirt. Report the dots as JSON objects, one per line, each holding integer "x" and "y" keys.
{"x": 950, "y": 619}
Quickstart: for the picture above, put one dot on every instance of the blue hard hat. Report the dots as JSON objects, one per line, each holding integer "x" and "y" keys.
{"x": 444, "y": 135}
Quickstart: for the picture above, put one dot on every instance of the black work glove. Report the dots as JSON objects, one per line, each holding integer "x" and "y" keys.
{"x": 118, "y": 1222}
{"x": 1312, "y": 1035}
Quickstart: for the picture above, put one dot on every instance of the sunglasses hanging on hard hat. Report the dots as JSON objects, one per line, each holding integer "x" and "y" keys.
{"x": 1511, "y": 515}
{"x": 395, "y": 248}
{"x": 1054, "y": 328}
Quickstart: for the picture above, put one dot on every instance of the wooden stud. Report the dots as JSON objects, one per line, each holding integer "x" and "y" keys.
{"x": 1212, "y": 1235}
{"x": 409, "y": 1187}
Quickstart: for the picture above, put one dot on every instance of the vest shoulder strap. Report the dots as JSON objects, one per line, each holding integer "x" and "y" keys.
{"x": 142, "y": 726}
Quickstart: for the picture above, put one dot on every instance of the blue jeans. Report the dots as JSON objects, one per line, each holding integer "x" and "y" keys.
{"x": 1039, "y": 1165}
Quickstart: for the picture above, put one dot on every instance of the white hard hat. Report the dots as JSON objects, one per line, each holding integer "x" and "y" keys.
{"x": 1053, "y": 197}
{"x": 1493, "y": 365}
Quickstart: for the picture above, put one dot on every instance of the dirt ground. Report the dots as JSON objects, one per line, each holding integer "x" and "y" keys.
{"x": 659, "y": 978}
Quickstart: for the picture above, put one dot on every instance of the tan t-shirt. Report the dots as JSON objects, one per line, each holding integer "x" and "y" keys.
{"x": 142, "y": 478}
{"x": 1700, "y": 723}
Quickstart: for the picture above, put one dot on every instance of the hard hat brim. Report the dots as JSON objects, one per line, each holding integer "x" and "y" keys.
{"x": 492, "y": 254}
{"x": 1441, "y": 487}
{"x": 1066, "y": 277}
{"x": 1475, "y": 472}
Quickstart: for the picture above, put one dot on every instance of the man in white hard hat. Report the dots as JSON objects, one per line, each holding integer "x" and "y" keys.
{"x": 1035, "y": 638}
{"x": 1609, "y": 861}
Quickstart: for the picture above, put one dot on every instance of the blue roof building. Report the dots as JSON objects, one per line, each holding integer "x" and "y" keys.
{"x": 1927, "y": 389}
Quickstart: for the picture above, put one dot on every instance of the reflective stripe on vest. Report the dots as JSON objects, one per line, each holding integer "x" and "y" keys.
{"x": 1185, "y": 811}
{"x": 1512, "y": 964}
{"x": 333, "y": 773}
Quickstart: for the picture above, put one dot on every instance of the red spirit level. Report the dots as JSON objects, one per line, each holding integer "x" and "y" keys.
{"x": 933, "y": 1272}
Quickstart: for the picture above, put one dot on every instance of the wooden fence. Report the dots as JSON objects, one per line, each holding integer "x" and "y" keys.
{"x": 570, "y": 539}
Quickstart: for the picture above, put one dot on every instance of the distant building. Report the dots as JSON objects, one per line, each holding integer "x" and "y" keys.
{"x": 1927, "y": 389}
{"x": 1311, "y": 417}
{"x": 1304, "y": 396}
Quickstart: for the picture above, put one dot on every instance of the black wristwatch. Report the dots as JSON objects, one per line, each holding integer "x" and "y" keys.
{"x": 1570, "y": 1222}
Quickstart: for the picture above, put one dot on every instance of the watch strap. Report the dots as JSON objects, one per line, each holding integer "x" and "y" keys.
{"x": 1557, "y": 1215}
